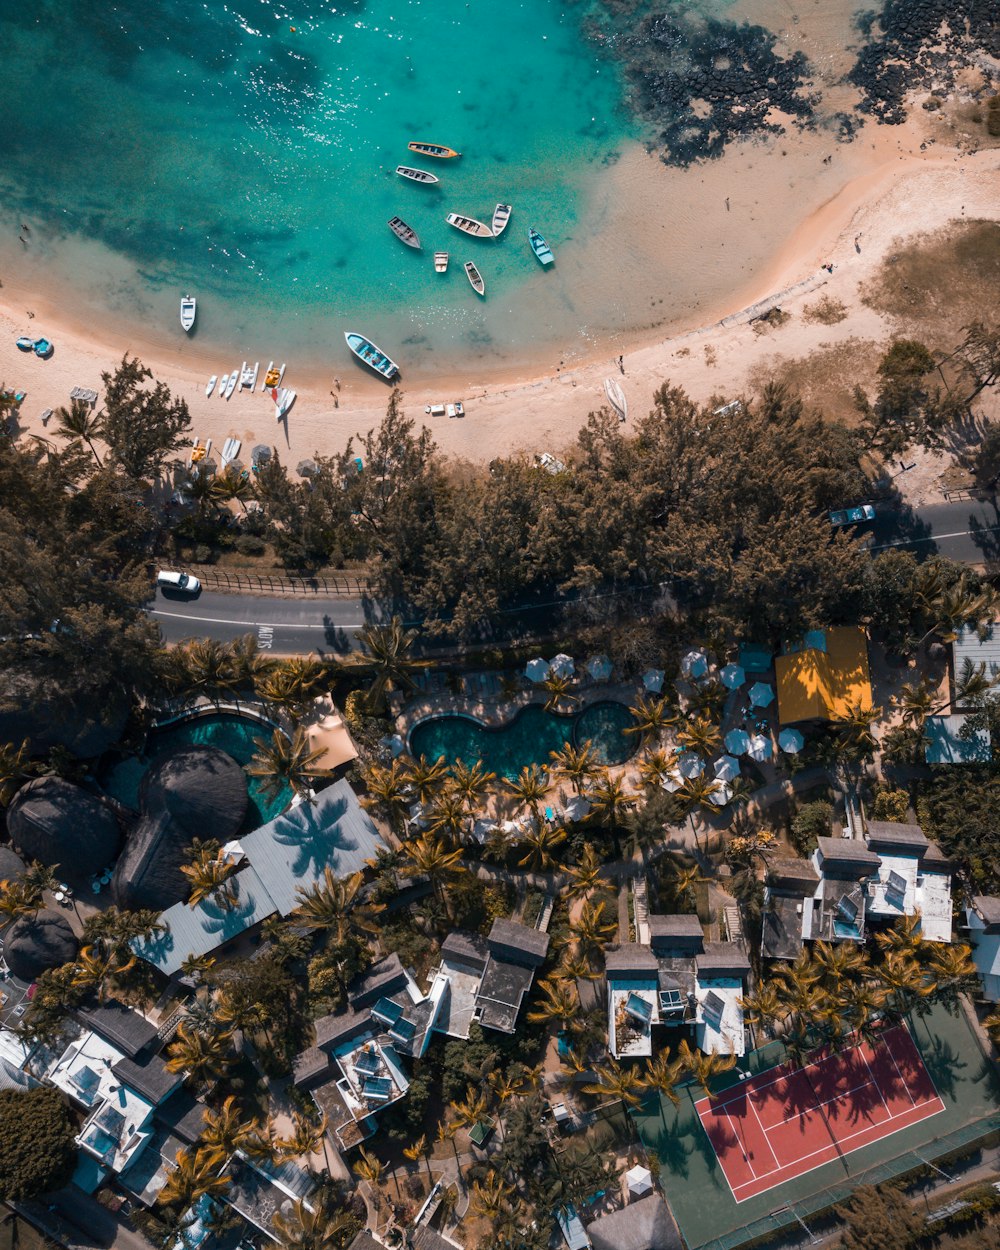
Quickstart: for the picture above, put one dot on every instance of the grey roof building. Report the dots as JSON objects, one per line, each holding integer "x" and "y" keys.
{"x": 956, "y": 739}
{"x": 888, "y": 833}
{"x": 59, "y": 823}
{"x": 119, "y": 1025}
{"x": 845, "y": 857}
{"x": 645, "y": 1224}
{"x": 515, "y": 952}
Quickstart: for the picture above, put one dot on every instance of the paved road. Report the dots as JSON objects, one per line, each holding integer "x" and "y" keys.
{"x": 968, "y": 530}
{"x": 285, "y": 626}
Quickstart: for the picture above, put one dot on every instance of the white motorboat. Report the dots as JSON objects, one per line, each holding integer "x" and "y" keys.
{"x": 501, "y": 215}
{"x": 223, "y": 383}
{"x": 211, "y": 385}
{"x": 234, "y": 377}
{"x": 189, "y": 306}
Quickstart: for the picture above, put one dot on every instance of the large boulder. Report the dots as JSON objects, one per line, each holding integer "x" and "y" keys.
{"x": 58, "y": 823}
{"x": 12, "y": 865}
{"x": 195, "y": 792}
{"x": 34, "y": 944}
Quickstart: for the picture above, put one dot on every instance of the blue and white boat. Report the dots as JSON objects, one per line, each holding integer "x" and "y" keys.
{"x": 25, "y": 344}
{"x": 370, "y": 355}
{"x": 43, "y": 348}
{"x": 540, "y": 247}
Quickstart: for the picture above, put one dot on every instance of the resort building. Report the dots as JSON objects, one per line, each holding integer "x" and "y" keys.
{"x": 676, "y": 979}
{"x": 970, "y": 649}
{"x": 982, "y": 917}
{"x": 836, "y": 911}
{"x": 824, "y": 675}
{"x": 956, "y": 739}
{"x": 788, "y": 883}
{"x": 913, "y": 877}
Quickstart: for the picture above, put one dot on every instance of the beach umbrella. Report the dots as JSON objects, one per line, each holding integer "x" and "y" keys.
{"x": 791, "y": 741}
{"x": 695, "y": 664}
{"x": 721, "y": 793}
{"x": 537, "y": 670}
{"x": 737, "y": 742}
{"x": 261, "y": 454}
{"x": 652, "y": 679}
{"x": 727, "y": 768}
{"x": 733, "y": 676}
{"x": 672, "y": 782}
{"x": 599, "y": 668}
{"x": 306, "y": 468}
{"x": 690, "y": 765}
{"x": 760, "y": 748}
{"x": 761, "y": 694}
{"x": 639, "y": 1180}
{"x": 576, "y": 807}
{"x": 562, "y": 666}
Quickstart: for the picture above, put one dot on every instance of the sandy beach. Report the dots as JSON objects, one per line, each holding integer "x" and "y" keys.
{"x": 894, "y": 190}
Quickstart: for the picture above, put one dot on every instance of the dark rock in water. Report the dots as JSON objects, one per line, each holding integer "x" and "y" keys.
{"x": 676, "y": 67}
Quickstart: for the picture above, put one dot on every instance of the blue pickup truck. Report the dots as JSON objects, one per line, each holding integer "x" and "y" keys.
{"x": 853, "y": 516}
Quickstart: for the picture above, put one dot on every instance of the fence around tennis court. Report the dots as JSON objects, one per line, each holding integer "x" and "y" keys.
{"x": 798, "y": 1213}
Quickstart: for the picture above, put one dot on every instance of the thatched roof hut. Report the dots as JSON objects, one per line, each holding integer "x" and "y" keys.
{"x": 56, "y": 822}
{"x": 195, "y": 792}
{"x": 34, "y": 944}
{"x": 11, "y": 864}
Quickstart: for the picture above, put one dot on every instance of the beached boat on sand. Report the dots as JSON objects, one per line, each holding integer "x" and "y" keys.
{"x": 189, "y": 306}
{"x": 403, "y": 232}
{"x": 273, "y": 377}
{"x": 434, "y": 149}
{"x": 211, "y": 385}
{"x": 283, "y": 400}
{"x": 475, "y": 277}
{"x": 501, "y": 215}
{"x": 223, "y": 383}
{"x": 616, "y": 397}
{"x": 25, "y": 343}
{"x": 441, "y": 262}
{"x": 369, "y": 354}
{"x": 540, "y": 247}
{"x": 417, "y": 175}
{"x": 469, "y": 225}
{"x": 234, "y": 377}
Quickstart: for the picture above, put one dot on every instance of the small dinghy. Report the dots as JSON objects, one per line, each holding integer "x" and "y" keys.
{"x": 369, "y": 354}
{"x": 43, "y": 348}
{"x": 211, "y": 384}
{"x": 417, "y": 175}
{"x": 441, "y": 262}
{"x": 223, "y": 383}
{"x": 475, "y": 277}
{"x": 437, "y": 150}
{"x": 283, "y": 400}
{"x": 403, "y": 232}
{"x": 616, "y": 397}
{"x": 234, "y": 377}
{"x": 25, "y": 344}
{"x": 189, "y": 306}
{"x": 540, "y": 247}
{"x": 501, "y": 215}
{"x": 469, "y": 225}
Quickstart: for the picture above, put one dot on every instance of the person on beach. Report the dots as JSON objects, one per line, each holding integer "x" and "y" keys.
{"x": 621, "y": 363}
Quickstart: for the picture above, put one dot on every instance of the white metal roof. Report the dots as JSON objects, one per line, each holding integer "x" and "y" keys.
{"x": 723, "y": 1030}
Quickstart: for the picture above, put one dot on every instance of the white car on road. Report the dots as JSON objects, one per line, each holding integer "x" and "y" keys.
{"x": 186, "y": 582}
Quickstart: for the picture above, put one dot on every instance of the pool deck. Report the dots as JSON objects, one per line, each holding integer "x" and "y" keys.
{"x": 496, "y": 711}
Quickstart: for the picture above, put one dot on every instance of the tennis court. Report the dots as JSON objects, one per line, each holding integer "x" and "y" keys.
{"x": 788, "y": 1120}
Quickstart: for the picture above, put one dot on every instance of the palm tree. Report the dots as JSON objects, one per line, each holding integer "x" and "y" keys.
{"x": 472, "y": 784}
{"x": 560, "y": 691}
{"x": 903, "y": 982}
{"x": 588, "y": 876}
{"x": 225, "y": 1128}
{"x": 389, "y": 658}
{"x": 306, "y": 1137}
{"x": 287, "y": 761}
{"x": 655, "y": 768}
{"x": 972, "y": 685}
{"x": 662, "y": 1075}
{"x": 287, "y": 688}
{"x": 332, "y": 904}
{"x": 195, "y": 966}
{"x": 840, "y": 962}
{"x": 558, "y": 1001}
{"x": 430, "y": 857}
{"x": 77, "y": 424}
{"x": 575, "y": 965}
{"x": 94, "y": 968}
{"x": 591, "y": 929}
{"x": 15, "y": 769}
{"x": 205, "y": 1057}
{"x": 704, "y": 1068}
{"x": 916, "y": 703}
{"x": 197, "y": 1173}
{"x": 684, "y": 884}
{"x": 615, "y": 1081}
{"x": 428, "y": 779}
{"x": 369, "y": 1168}
{"x": 701, "y": 736}
{"x": 41, "y": 876}
{"x": 576, "y": 764}
{"x": 763, "y": 1007}
{"x": 387, "y": 792}
{"x": 904, "y": 937}
{"x": 860, "y": 1001}
{"x": 209, "y": 873}
{"x": 529, "y": 787}
{"x": 541, "y": 844}
{"x": 949, "y": 607}
{"x": 492, "y": 1195}
{"x": 652, "y": 716}
{"x": 418, "y": 1150}
{"x": 609, "y": 802}
{"x": 472, "y": 1109}
{"x": 204, "y": 666}
{"x": 250, "y": 665}
{"x": 447, "y": 816}
{"x": 951, "y": 967}
{"x": 19, "y": 898}
{"x": 853, "y": 728}
{"x": 311, "y": 1228}
{"x": 232, "y": 484}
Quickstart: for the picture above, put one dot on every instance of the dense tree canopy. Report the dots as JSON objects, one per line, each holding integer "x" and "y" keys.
{"x": 37, "y": 1153}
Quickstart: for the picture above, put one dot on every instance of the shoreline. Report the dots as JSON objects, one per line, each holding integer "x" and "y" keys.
{"x": 902, "y": 191}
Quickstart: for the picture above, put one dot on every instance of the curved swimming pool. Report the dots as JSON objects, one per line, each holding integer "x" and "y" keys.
{"x": 229, "y": 732}
{"x": 528, "y": 738}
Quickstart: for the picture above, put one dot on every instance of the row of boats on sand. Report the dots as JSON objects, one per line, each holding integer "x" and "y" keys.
{"x": 247, "y": 376}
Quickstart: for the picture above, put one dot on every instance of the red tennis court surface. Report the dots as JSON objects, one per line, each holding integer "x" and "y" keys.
{"x": 786, "y": 1121}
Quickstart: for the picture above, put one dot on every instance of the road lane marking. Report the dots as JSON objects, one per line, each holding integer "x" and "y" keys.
{"x": 219, "y": 620}
{"x": 933, "y": 538}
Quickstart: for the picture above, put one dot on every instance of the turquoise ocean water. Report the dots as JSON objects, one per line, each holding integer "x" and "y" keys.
{"x": 160, "y": 146}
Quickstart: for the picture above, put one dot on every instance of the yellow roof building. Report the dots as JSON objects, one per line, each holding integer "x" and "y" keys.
{"x": 824, "y": 682}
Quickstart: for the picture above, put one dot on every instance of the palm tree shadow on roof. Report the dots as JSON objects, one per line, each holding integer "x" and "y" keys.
{"x": 319, "y": 836}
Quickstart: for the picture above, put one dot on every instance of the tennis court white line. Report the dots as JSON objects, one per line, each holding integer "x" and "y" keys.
{"x": 741, "y": 1091}
{"x": 840, "y": 1142}
{"x": 826, "y": 1102}
{"x": 876, "y": 1084}
{"x": 763, "y": 1130}
{"x": 901, "y": 1077}
{"x": 746, "y": 1154}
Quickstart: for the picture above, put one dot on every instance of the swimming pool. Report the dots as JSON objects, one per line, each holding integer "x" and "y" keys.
{"x": 229, "y": 732}
{"x": 528, "y": 738}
